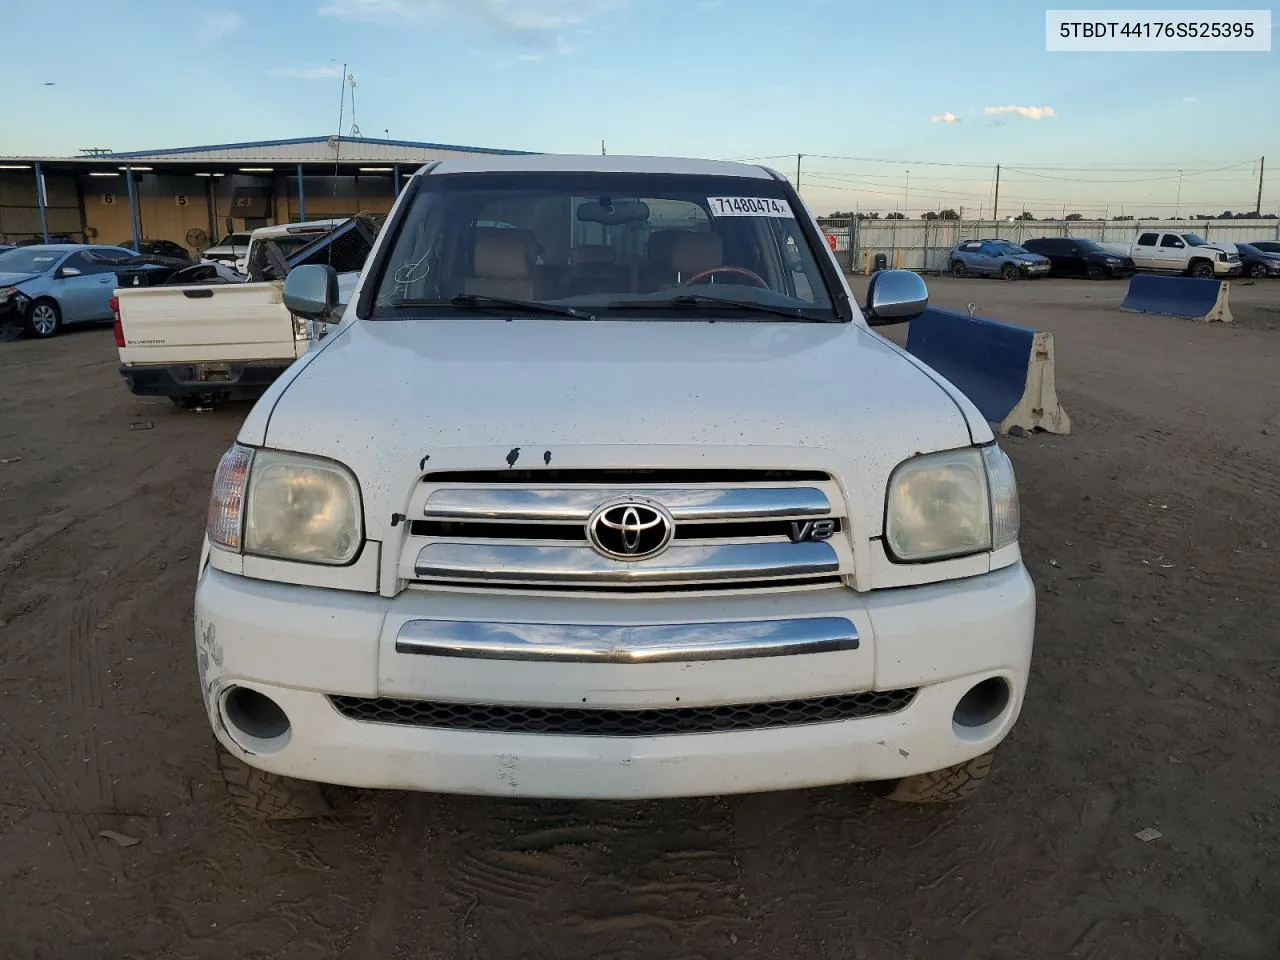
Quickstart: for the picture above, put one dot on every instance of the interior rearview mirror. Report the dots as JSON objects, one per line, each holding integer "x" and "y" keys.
{"x": 895, "y": 296}
{"x": 612, "y": 212}
{"x": 311, "y": 292}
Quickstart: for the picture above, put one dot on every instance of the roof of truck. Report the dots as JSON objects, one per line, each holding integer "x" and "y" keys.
{"x": 588, "y": 163}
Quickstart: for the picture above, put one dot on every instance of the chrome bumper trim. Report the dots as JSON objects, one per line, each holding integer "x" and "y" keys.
{"x": 517, "y": 504}
{"x": 590, "y": 643}
{"x": 714, "y": 563}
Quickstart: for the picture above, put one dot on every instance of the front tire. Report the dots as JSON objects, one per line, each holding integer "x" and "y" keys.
{"x": 44, "y": 319}
{"x": 957, "y": 270}
{"x": 1202, "y": 269}
{"x": 949, "y": 785}
{"x": 1096, "y": 271}
{"x": 268, "y": 796}
{"x": 1009, "y": 272}
{"x": 1257, "y": 271}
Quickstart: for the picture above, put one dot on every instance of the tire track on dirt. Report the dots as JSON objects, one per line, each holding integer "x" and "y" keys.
{"x": 73, "y": 832}
{"x": 531, "y": 879}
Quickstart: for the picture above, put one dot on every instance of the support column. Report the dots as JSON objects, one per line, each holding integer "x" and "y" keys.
{"x": 302, "y": 197}
{"x": 42, "y": 202}
{"x": 133, "y": 207}
{"x": 395, "y": 174}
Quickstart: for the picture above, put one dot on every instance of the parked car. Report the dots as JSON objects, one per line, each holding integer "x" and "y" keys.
{"x": 1257, "y": 263}
{"x": 756, "y": 546}
{"x": 160, "y": 248}
{"x": 1076, "y": 257}
{"x": 996, "y": 258}
{"x": 53, "y": 238}
{"x": 65, "y": 283}
{"x": 1178, "y": 252}
{"x": 1267, "y": 246}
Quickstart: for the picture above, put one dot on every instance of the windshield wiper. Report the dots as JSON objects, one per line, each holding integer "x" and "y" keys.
{"x": 475, "y": 301}
{"x": 687, "y": 300}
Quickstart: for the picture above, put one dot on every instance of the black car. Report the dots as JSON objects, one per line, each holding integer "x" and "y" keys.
{"x": 160, "y": 248}
{"x": 1074, "y": 257}
{"x": 1257, "y": 261}
{"x": 1267, "y": 246}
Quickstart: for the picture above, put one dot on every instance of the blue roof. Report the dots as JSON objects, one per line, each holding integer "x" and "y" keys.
{"x": 295, "y": 140}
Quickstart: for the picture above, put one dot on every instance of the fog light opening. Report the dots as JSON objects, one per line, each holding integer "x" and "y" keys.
{"x": 255, "y": 719}
{"x": 983, "y": 703}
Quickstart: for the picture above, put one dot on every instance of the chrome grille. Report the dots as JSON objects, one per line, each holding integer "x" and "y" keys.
{"x": 731, "y": 530}
{"x": 605, "y": 722}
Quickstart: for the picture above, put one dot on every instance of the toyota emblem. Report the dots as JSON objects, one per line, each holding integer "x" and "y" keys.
{"x": 631, "y": 528}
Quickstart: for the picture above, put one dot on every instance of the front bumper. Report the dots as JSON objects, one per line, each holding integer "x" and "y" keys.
{"x": 230, "y": 381}
{"x": 300, "y": 646}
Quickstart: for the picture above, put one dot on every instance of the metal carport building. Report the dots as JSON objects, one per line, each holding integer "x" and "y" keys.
{"x": 195, "y": 195}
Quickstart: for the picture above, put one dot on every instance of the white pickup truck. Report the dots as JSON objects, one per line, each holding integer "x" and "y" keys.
{"x": 623, "y": 499}
{"x": 227, "y": 337}
{"x": 1178, "y": 252}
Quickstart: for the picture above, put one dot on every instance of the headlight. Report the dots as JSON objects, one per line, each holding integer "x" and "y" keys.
{"x": 1223, "y": 257}
{"x": 1112, "y": 259}
{"x": 287, "y": 506}
{"x": 951, "y": 504}
{"x": 6, "y": 293}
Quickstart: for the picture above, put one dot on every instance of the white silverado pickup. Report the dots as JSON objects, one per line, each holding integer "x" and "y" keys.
{"x": 620, "y": 498}
{"x": 211, "y": 335}
{"x": 1178, "y": 252}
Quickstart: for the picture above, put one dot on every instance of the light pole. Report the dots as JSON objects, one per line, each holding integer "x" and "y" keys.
{"x": 1177, "y": 205}
{"x": 906, "y": 195}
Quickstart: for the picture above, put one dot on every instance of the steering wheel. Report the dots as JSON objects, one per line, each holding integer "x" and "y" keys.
{"x": 740, "y": 271}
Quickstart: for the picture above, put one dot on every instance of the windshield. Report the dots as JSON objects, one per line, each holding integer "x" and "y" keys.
{"x": 1087, "y": 246}
{"x": 29, "y": 260}
{"x": 1193, "y": 239}
{"x": 1005, "y": 249}
{"x": 234, "y": 240}
{"x": 1249, "y": 249}
{"x": 602, "y": 242}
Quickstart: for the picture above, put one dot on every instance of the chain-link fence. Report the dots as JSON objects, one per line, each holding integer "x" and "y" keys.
{"x": 924, "y": 245}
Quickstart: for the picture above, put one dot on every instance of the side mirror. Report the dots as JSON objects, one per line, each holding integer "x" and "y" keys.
{"x": 311, "y": 292}
{"x": 64, "y": 272}
{"x": 895, "y": 296}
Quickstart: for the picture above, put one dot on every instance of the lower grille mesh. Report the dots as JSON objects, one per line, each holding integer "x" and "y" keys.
{"x": 587, "y": 722}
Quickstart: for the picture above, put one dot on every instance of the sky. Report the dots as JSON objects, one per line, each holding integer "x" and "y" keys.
{"x": 893, "y": 106}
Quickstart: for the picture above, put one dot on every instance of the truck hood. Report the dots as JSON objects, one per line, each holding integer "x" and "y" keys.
{"x": 395, "y": 399}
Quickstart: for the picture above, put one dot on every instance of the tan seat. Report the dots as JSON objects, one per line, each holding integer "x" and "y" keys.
{"x": 592, "y": 255}
{"x": 504, "y": 265}
{"x": 693, "y": 253}
{"x": 659, "y": 271}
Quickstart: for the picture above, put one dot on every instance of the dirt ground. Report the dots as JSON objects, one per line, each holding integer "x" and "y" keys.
{"x": 1152, "y": 532}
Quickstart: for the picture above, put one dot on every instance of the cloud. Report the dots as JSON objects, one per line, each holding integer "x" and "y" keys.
{"x": 331, "y": 72}
{"x": 533, "y": 24}
{"x": 219, "y": 25}
{"x": 1190, "y": 99}
{"x": 944, "y": 118}
{"x": 1031, "y": 113}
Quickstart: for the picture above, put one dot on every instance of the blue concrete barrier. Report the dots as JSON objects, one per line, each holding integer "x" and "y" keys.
{"x": 1005, "y": 370}
{"x": 1188, "y": 297}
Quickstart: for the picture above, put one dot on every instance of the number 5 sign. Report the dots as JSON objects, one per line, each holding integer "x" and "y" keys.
{"x": 180, "y": 199}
